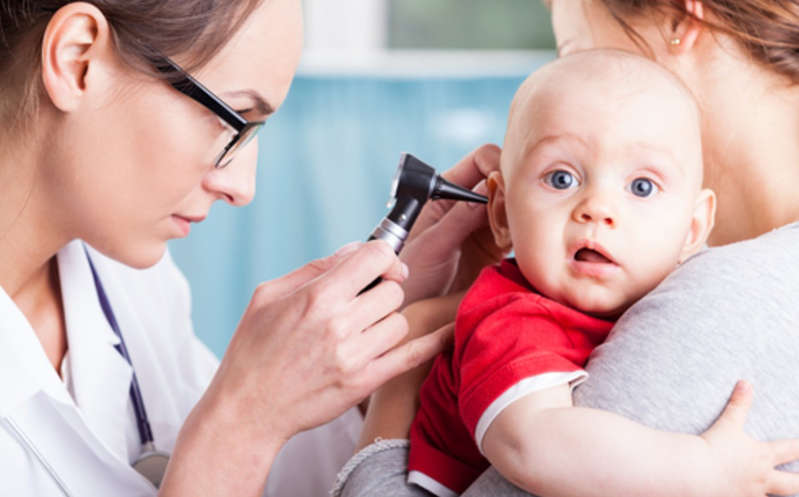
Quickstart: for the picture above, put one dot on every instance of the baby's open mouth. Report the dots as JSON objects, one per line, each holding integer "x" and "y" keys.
{"x": 589, "y": 255}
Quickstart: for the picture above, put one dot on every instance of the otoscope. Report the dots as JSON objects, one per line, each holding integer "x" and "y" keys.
{"x": 414, "y": 183}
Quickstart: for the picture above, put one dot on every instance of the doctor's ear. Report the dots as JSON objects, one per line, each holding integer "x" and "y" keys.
{"x": 701, "y": 224}
{"x": 497, "y": 215}
{"x": 76, "y": 44}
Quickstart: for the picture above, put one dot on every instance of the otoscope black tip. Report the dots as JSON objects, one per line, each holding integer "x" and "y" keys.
{"x": 445, "y": 189}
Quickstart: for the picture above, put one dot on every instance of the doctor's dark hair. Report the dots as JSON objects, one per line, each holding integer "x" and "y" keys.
{"x": 768, "y": 30}
{"x": 193, "y": 29}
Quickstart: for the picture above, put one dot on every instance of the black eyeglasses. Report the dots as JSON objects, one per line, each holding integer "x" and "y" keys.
{"x": 245, "y": 130}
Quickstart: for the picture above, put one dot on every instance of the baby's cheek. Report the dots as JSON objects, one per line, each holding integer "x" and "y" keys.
{"x": 651, "y": 277}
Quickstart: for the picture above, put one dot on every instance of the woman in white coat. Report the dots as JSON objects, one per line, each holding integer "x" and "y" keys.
{"x": 109, "y": 148}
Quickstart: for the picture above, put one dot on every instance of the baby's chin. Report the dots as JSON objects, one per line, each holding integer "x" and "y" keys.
{"x": 600, "y": 306}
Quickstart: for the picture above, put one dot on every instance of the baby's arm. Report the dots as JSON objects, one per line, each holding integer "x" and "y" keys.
{"x": 547, "y": 447}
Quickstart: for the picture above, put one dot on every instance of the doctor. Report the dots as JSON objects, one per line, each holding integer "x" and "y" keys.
{"x": 124, "y": 120}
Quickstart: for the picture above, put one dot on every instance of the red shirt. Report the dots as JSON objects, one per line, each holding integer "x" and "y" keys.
{"x": 505, "y": 332}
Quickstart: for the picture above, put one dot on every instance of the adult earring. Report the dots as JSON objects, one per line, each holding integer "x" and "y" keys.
{"x": 675, "y": 41}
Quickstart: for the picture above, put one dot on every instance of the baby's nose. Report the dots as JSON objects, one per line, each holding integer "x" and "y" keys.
{"x": 595, "y": 210}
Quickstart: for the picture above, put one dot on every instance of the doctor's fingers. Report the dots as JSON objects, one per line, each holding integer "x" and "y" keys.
{"x": 356, "y": 352}
{"x": 289, "y": 283}
{"x": 406, "y": 357}
{"x": 468, "y": 172}
{"x": 358, "y": 269}
{"x": 373, "y": 305}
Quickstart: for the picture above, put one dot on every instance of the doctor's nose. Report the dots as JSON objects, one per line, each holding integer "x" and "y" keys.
{"x": 595, "y": 209}
{"x": 235, "y": 183}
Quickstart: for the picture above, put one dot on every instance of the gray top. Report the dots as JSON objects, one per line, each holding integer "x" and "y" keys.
{"x": 672, "y": 360}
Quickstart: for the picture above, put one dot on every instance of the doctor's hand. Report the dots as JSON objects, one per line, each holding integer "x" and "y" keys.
{"x": 308, "y": 348}
{"x": 451, "y": 241}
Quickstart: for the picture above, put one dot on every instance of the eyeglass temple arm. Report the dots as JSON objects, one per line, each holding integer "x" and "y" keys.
{"x": 194, "y": 89}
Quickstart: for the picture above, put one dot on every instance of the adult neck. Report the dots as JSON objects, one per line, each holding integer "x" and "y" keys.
{"x": 30, "y": 230}
{"x": 751, "y": 147}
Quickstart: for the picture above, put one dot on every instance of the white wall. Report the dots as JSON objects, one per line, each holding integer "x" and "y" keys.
{"x": 349, "y": 26}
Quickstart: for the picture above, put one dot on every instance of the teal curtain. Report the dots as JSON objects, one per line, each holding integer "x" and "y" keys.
{"x": 326, "y": 160}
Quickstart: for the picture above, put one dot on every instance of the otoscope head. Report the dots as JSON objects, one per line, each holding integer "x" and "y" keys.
{"x": 413, "y": 178}
{"x": 416, "y": 179}
{"x": 414, "y": 183}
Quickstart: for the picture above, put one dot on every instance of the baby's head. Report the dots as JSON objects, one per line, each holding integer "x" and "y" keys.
{"x": 600, "y": 187}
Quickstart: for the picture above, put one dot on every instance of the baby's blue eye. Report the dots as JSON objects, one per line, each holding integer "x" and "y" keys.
{"x": 560, "y": 179}
{"x": 643, "y": 187}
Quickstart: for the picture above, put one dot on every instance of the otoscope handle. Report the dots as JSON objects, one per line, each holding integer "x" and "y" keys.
{"x": 391, "y": 233}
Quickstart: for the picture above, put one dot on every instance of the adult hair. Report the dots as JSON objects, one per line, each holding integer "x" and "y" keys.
{"x": 768, "y": 30}
{"x": 141, "y": 29}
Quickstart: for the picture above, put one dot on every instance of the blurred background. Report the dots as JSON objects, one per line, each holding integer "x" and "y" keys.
{"x": 377, "y": 78}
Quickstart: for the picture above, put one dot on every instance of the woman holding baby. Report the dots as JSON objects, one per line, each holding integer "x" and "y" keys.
{"x": 725, "y": 314}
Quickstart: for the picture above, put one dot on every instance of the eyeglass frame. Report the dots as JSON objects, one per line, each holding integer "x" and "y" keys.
{"x": 195, "y": 90}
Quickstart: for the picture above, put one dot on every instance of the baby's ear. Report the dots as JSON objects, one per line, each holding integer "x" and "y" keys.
{"x": 497, "y": 216}
{"x": 701, "y": 224}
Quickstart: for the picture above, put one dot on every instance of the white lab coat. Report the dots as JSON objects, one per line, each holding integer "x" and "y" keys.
{"x": 80, "y": 440}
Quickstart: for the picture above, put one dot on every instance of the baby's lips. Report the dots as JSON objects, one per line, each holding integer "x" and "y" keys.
{"x": 593, "y": 245}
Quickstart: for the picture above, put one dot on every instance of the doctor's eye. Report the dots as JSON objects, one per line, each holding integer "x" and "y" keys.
{"x": 643, "y": 187}
{"x": 560, "y": 179}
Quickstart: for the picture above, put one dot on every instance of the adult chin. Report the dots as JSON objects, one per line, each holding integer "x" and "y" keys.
{"x": 138, "y": 255}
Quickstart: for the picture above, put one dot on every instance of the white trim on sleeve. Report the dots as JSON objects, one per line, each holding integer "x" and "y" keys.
{"x": 523, "y": 388}
{"x": 429, "y": 484}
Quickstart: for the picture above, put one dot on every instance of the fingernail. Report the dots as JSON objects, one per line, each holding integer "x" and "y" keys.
{"x": 405, "y": 271}
{"x": 488, "y": 156}
{"x": 346, "y": 249}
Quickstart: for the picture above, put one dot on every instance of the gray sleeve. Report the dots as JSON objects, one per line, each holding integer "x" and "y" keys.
{"x": 378, "y": 470}
{"x": 729, "y": 313}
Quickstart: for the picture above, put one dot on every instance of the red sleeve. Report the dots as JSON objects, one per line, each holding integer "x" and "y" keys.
{"x": 497, "y": 348}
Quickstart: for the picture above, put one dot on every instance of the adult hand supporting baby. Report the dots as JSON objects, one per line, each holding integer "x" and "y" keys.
{"x": 451, "y": 242}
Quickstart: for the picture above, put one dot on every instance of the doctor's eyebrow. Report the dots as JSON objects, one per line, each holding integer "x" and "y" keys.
{"x": 261, "y": 105}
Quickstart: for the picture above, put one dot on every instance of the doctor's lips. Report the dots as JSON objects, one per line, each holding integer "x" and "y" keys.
{"x": 191, "y": 219}
{"x": 184, "y": 222}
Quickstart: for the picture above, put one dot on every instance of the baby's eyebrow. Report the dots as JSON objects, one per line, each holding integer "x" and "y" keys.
{"x": 665, "y": 154}
{"x": 549, "y": 140}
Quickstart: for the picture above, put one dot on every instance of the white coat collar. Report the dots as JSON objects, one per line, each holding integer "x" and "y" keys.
{"x": 25, "y": 367}
{"x": 31, "y": 393}
{"x": 100, "y": 375}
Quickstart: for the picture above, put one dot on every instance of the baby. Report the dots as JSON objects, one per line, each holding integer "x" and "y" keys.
{"x": 600, "y": 196}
